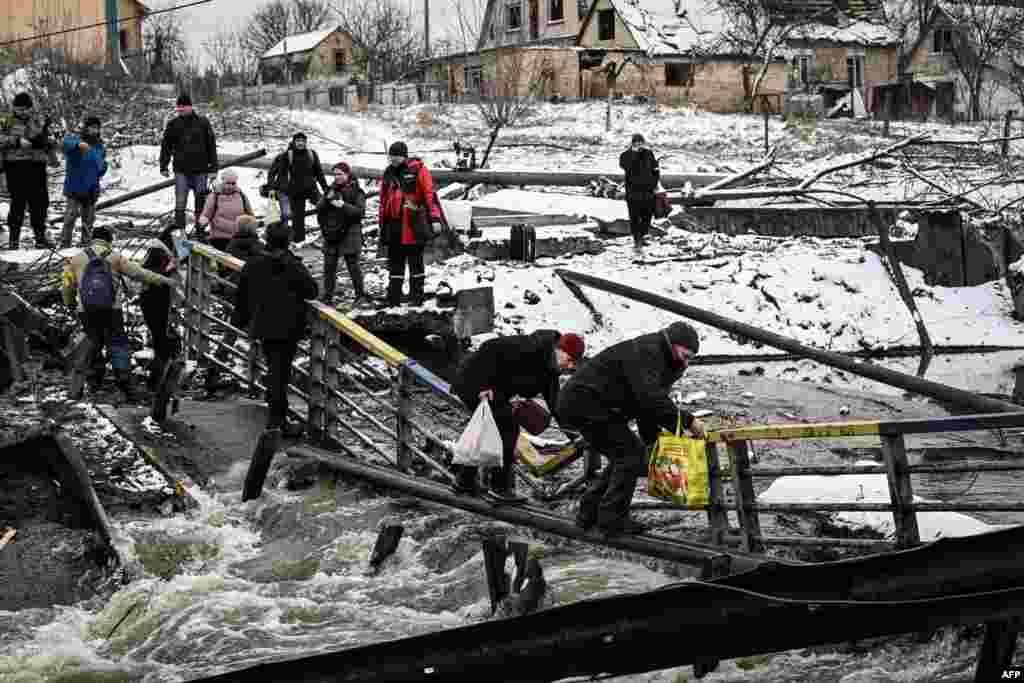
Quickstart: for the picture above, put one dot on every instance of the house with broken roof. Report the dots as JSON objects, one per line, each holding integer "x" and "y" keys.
{"x": 321, "y": 54}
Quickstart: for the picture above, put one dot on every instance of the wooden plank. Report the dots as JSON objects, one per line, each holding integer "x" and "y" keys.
{"x": 718, "y": 518}
{"x": 369, "y": 341}
{"x": 794, "y": 431}
{"x": 900, "y": 491}
{"x": 8, "y": 536}
{"x": 746, "y": 505}
{"x": 527, "y": 219}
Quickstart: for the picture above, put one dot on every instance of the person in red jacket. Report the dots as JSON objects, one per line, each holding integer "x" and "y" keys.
{"x": 407, "y": 213}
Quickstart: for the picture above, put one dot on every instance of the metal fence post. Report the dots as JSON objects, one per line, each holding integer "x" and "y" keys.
{"x": 718, "y": 518}
{"x": 194, "y": 304}
{"x": 319, "y": 426}
{"x": 403, "y": 430}
{"x": 900, "y": 491}
{"x": 746, "y": 509}
{"x": 332, "y": 363}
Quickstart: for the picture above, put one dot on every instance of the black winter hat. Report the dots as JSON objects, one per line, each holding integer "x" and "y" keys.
{"x": 637, "y": 137}
{"x": 683, "y": 334}
{"x": 103, "y": 233}
{"x": 299, "y": 136}
{"x": 22, "y": 99}
{"x": 92, "y": 121}
{"x": 277, "y": 235}
{"x": 184, "y": 100}
{"x": 398, "y": 149}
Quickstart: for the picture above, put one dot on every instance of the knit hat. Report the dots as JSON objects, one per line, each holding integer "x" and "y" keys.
{"x": 398, "y": 149}
{"x": 343, "y": 166}
{"x": 92, "y": 121}
{"x": 103, "y": 233}
{"x": 184, "y": 100}
{"x": 637, "y": 137}
{"x": 247, "y": 225}
{"x": 683, "y": 334}
{"x": 22, "y": 99}
{"x": 572, "y": 344}
{"x": 277, "y": 235}
{"x": 299, "y": 136}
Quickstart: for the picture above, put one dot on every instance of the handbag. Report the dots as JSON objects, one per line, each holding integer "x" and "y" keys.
{"x": 661, "y": 206}
{"x": 678, "y": 469}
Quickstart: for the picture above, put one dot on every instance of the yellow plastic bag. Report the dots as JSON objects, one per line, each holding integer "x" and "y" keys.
{"x": 678, "y": 469}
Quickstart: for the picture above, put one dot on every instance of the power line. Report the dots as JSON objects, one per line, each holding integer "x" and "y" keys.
{"x": 102, "y": 23}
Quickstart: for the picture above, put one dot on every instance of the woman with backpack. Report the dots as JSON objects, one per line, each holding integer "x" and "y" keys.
{"x": 340, "y": 213}
{"x": 222, "y": 210}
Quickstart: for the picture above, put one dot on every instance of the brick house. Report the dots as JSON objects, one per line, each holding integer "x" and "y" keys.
{"x": 321, "y": 54}
{"x": 106, "y": 44}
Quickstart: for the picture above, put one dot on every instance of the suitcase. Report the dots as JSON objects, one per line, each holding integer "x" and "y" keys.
{"x": 523, "y": 244}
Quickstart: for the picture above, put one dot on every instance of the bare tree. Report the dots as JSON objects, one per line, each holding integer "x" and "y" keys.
{"x": 755, "y": 30}
{"x": 983, "y": 34}
{"x": 467, "y": 18}
{"x": 279, "y": 19}
{"x": 387, "y": 46}
{"x": 164, "y": 36}
{"x": 519, "y": 78}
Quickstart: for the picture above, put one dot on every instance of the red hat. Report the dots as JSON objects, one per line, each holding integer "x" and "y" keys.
{"x": 532, "y": 416}
{"x": 572, "y": 344}
{"x": 343, "y": 166}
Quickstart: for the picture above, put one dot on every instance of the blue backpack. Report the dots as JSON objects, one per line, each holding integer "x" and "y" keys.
{"x": 96, "y": 289}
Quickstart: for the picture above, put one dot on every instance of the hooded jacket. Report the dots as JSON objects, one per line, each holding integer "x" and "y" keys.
{"x": 516, "y": 365}
{"x": 190, "y": 140}
{"x": 83, "y": 170}
{"x": 407, "y": 205}
{"x": 270, "y": 300}
{"x": 628, "y": 380}
{"x": 228, "y": 207}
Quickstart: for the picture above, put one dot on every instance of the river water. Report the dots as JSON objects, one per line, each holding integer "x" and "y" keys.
{"x": 230, "y": 584}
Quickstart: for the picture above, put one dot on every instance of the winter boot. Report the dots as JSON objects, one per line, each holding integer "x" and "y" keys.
{"x": 15, "y": 237}
{"x": 416, "y": 295}
{"x": 395, "y": 291}
{"x": 124, "y": 383}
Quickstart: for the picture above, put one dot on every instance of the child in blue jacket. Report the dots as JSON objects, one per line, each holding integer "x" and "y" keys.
{"x": 85, "y": 164}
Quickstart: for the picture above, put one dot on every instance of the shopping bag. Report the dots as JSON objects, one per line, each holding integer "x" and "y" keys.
{"x": 480, "y": 444}
{"x": 678, "y": 469}
{"x": 661, "y": 206}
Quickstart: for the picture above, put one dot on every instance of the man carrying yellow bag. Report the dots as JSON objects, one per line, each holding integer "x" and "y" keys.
{"x": 631, "y": 379}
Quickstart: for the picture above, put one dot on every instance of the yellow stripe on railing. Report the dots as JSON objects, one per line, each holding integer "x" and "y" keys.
{"x": 218, "y": 256}
{"x": 821, "y": 430}
{"x": 373, "y": 344}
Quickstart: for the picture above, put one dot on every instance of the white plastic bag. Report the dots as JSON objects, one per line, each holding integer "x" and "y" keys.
{"x": 480, "y": 444}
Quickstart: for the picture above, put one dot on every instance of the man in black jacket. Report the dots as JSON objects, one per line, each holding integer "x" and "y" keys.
{"x": 190, "y": 140}
{"x": 340, "y": 213}
{"x": 631, "y": 379}
{"x": 294, "y": 175}
{"x": 642, "y": 175}
{"x": 520, "y": 366}
{"x": 271, "y": 302}
{"x": 25, "y": 150}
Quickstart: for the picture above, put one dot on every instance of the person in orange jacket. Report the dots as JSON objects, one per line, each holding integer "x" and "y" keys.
{"x": 407, "y": 214}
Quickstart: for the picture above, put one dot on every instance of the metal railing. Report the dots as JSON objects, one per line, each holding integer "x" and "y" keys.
{"x": 361, "y": 395}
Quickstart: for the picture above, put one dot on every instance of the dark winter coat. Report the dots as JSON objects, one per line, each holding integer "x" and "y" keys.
{"x": 190, "y": 140}
{"x": 516, "y": 365}
{"x": 631, "y": 379}
{"x": 245, "y": 247}
{"x": 270, "y": 300}
{"x": 642, "y": 171}
{"x": 296, "y": 173}
{"x": 162, "y": 259}
{"x": 407, "y": 206}
{"x": 340, "y": 213}
{"x": 83, "y": 170}
{"x": 33, "y": 129}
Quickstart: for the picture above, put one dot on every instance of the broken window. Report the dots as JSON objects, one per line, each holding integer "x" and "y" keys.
{"x": 556, "y": 10}
{"x": 339, "y": 61}
{"x": 677, "y": 74}
{"x": 606, "y": 24}
{"x": 855, "y": 71}
{"x": 943, "y": 41}
{"x": 514, "y": 16}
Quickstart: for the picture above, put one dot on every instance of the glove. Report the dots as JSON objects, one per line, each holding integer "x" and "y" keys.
{"x": 165, "y": 173}
{"x": 265, "y": 191}
{"x": 25, "y": 143}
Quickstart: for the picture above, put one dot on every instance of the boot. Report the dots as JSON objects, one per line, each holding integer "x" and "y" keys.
{"x": 416, "y": 291}
{"x": 42, "y": 241}
{"x": 501, "y": 489}
{"x": 15, "y": 237}
{"x": 76, "y": 389}
{"x": 395, "y": 291}
{"x": 124, "y": 383}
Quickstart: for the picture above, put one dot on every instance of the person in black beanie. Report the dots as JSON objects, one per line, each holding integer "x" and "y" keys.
{"x": 642, "y": 176}
{"x": 270, "y": 302}
{"x": 25, "y": 149}
{"x": 294, "y": 175}
{"x": 190, "y": 140}
{"x": 628, "y": 380}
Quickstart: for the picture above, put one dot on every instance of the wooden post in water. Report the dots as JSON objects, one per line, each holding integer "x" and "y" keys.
{"x": 319, "y": 426}
{"x": 900, "y": 491}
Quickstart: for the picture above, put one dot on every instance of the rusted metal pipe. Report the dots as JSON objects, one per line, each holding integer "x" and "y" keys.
{"x": 917, "y": 385}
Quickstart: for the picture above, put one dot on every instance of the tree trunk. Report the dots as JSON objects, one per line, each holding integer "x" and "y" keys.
{"x": 608, "y": 111}
{"x": 490, "y": 144}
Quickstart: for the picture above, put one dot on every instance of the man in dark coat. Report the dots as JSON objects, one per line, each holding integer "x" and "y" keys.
{"x": 340, "y": 213}
{"x": 642, "y": 176}
{"x": 502, "y": 369}
{"x": 631, "y": 379}
{"x": 155, "y": 301}
{"x": 190, "y": 140}
{"x": 294, "y": 176}
{"x": 271, "y": 302}
{"x": 25, "y": 150}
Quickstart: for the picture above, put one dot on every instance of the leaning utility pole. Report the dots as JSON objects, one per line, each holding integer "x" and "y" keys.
{"x": 426, "y": 28}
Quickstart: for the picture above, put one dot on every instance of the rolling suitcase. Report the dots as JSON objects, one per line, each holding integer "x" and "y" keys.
{"x": 523, "y": 243}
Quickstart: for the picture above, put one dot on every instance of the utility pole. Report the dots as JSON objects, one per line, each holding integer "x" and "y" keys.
{"x": 426, "y": 28}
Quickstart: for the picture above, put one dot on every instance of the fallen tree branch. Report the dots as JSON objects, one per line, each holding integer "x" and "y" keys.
{"x": 896, "y": 272}
{"x": 577, "y": 292}
{"x": 765, "y": 164}
{"x": 934, "y": 185}
{"x": 861, "y": 160}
